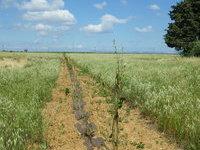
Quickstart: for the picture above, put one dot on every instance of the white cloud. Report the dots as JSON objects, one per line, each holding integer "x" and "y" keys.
{"x": 107, "y": 23}
{"x": 47, "y": 16}
{"x": 45, "y": 29}
{"x": 154, "y": 7}
{"x": 100, "y": 5}
{"x": 38, "y": 5}
{"x": 61, "y": 28}
{"x": 124, "y": 2}
{"x": 42, "y": 29}
{"x": 56, "y": 16}
{"x": 144, "y": 29}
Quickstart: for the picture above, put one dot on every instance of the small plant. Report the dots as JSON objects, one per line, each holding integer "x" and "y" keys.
{"x": 67, "y": 91}
{"x": 140, "y": 145}
{"x": 117, "y": 98}
{"x": 84, "y": 70}
{"x": 44, "y": 145}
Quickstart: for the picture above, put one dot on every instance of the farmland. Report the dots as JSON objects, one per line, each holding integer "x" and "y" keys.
{"x": 164, "y": 87}
{"x": 25, "y": 84}
{"x": 99, "y": 75}
{"x": 37, "y": 99}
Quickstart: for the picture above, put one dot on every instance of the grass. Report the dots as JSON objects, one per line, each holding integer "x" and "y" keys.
{"x": 164, "y": 87}
{"x": 23, "y": 93}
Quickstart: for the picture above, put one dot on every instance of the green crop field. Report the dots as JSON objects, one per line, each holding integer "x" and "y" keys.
{"x": 164, "y": 87}
{"x": 26, "y": 81}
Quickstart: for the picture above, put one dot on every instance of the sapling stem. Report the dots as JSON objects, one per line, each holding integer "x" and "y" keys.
{"x": 117, "y": 98}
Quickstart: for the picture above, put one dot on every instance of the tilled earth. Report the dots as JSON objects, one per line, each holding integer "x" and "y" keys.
{"x": 60, "y": 131}
{"x": 64, "y": 127}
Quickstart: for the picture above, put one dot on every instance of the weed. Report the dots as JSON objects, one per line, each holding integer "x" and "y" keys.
{"x": 140, "y": 145}
{"x": 67, "y": 91}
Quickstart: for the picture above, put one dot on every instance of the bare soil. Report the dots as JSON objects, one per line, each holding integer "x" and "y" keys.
{"x": 60, "y": 131}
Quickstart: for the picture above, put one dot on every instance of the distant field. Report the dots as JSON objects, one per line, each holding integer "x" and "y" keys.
{"x": 165, "y": 87}
{"x": 26, "y": 81}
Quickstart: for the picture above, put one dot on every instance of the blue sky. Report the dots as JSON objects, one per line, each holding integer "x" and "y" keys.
{"x": 84, "y": 25}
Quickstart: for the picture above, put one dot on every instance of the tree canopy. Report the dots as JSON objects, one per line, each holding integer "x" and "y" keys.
{"x": 183, "y": 32}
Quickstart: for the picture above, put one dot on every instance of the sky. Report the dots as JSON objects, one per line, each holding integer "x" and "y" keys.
{"x": 85, "y": 25}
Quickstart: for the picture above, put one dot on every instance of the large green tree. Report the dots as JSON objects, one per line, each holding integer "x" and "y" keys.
{"x": 184, "y": 30}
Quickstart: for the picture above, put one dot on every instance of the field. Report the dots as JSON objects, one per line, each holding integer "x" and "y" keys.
{"x": 25, "y": 84}
{"x": 38, "y": 90}
{"x": 164, "y": 87}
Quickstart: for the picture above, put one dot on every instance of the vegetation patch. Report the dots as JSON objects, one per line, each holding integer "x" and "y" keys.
{"x": 24, "y": 91}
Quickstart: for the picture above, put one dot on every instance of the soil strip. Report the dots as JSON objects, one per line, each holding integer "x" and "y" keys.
{"x": 84, "y": 126}
{"x": 60, "y": 133}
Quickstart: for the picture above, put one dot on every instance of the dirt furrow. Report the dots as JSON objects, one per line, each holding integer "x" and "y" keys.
{"x": 84, "y": 125}
{"x": 60, "y": 132}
